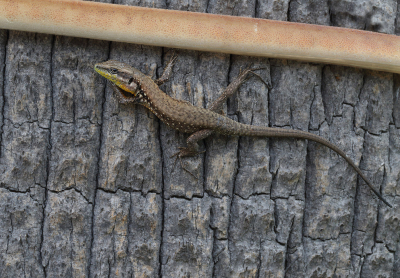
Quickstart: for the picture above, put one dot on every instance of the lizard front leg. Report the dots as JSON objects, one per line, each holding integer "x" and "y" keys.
{"x": 121, "y": 96}
{"x": 192, "y": 148}
{"x": 167, "y": 71}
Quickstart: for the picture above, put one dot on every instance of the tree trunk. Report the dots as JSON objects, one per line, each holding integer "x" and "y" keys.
{"x": 88, "y": 187}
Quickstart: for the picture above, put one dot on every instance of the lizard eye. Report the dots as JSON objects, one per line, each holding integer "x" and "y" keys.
{"x": 130, "y": 80}
{"x": 113, "y": 70}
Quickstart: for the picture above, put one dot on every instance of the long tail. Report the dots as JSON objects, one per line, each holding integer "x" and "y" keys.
{"x": 249, "y": 130}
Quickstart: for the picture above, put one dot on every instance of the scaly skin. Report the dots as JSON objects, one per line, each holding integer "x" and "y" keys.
{"x": 131, "y": 85}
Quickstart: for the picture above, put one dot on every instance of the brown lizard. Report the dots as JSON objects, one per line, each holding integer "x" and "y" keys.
{"x": 132, "y": 86}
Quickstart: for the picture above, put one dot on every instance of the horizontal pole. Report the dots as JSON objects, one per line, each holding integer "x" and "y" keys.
{"x": 204, "y": 32}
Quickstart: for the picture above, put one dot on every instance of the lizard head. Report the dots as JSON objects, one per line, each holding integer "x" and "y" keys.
{"x": 119, "y": 73}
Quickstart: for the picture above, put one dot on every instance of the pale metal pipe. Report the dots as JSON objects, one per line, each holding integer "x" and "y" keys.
{"x": 205, "y": 32}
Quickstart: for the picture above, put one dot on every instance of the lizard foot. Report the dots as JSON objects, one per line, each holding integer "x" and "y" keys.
{"x": 185, "y": 152}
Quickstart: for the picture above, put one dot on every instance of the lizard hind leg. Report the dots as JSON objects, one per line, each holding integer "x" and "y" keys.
{"x": 192, "y": 148}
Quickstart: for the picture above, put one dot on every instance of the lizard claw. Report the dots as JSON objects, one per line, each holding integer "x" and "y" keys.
{"x": 252, "y": 71}
{"x": 268, "y": 84}
{"x": 185, "y": 152}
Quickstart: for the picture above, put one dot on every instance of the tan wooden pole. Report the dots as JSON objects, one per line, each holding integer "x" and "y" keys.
{"x": 205, "y": 32}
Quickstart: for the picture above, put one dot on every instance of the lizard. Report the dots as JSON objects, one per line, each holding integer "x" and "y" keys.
{"x": 130, "y": 85}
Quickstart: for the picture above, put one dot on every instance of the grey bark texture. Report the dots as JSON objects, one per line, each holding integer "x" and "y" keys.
{"x": 88, "y": 188}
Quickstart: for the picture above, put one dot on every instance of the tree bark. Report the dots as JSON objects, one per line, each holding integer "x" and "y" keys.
{"x": 88, "y": 187}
